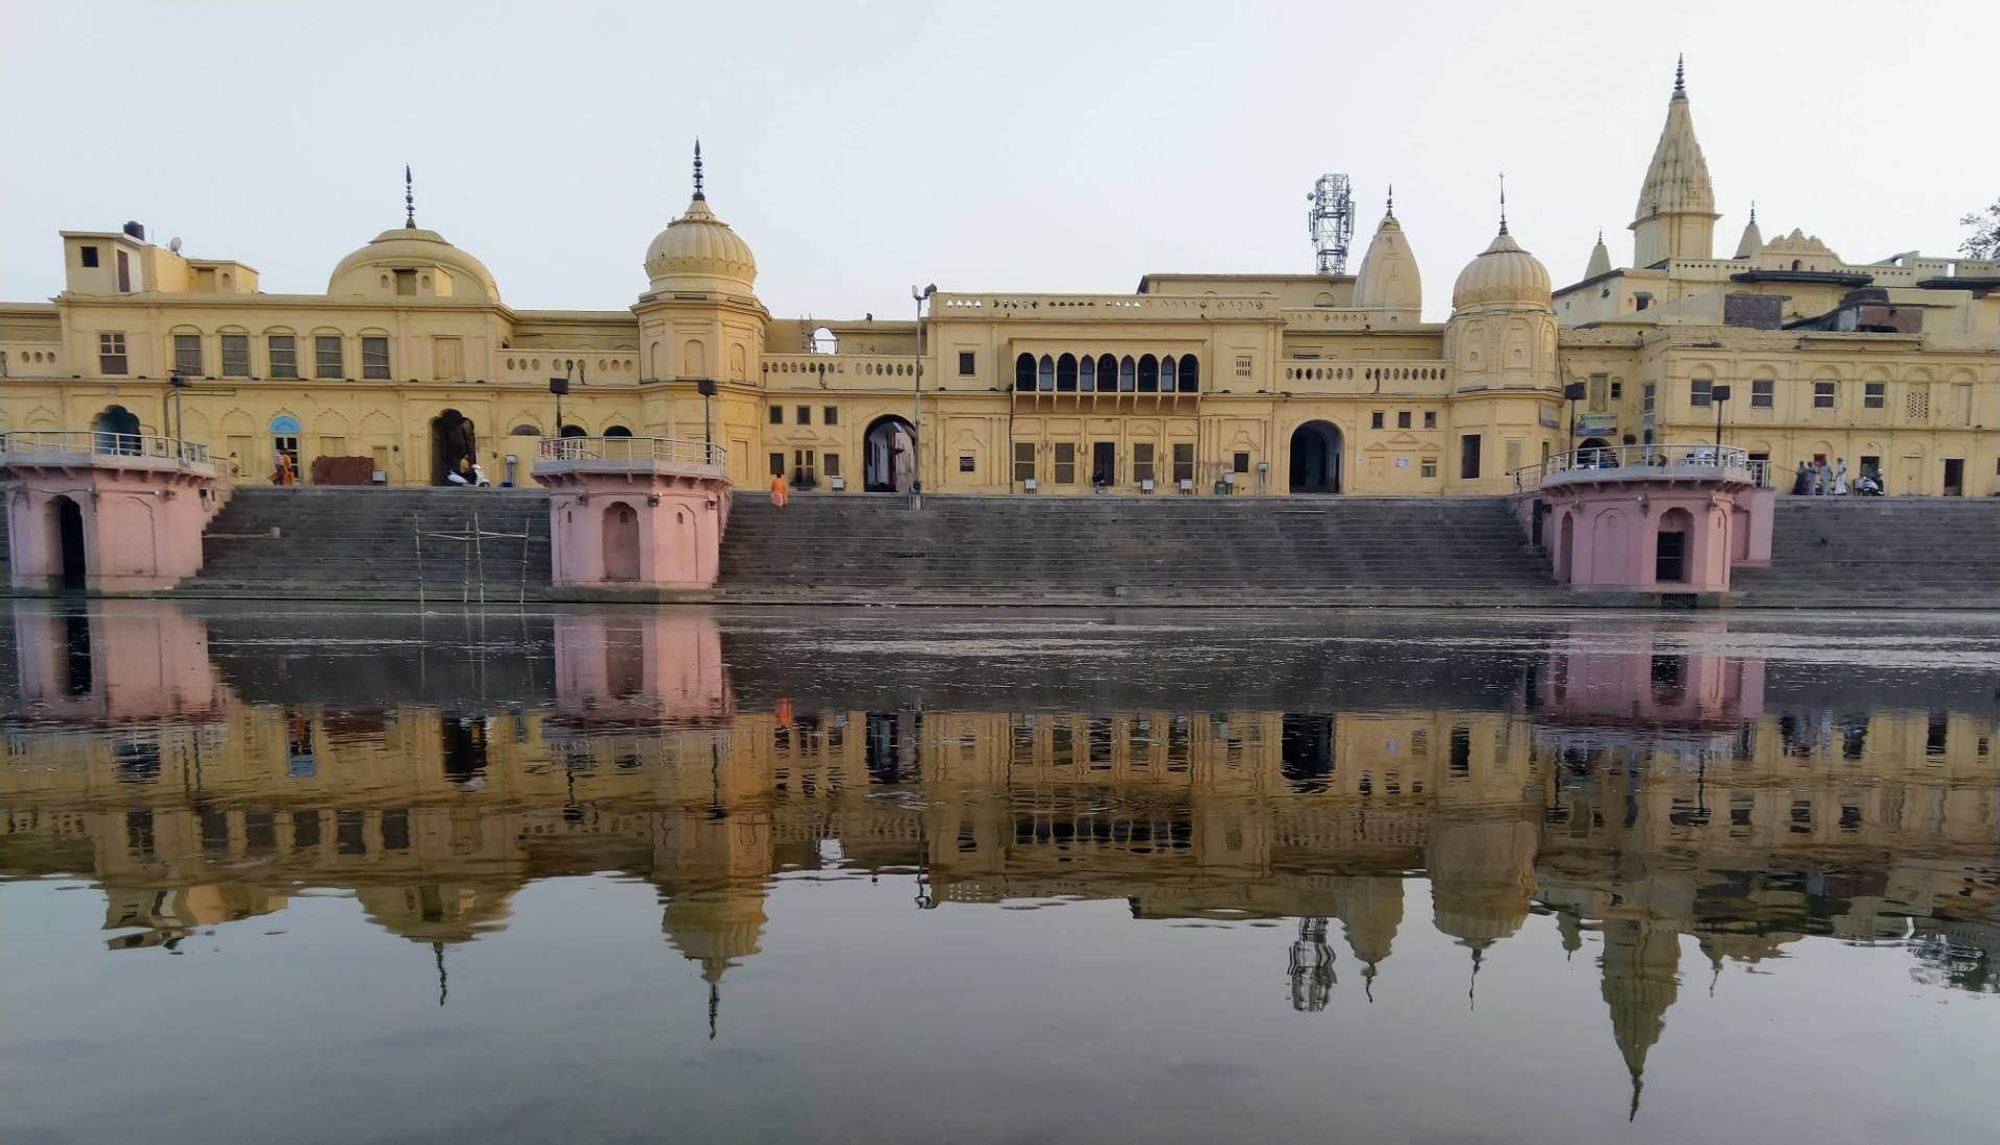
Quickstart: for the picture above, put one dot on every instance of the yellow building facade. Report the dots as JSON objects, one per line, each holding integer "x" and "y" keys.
{"x": 1196, "y": 383}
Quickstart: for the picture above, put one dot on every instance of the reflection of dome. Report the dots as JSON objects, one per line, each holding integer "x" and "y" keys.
{"x": 410, "y": 247}
{"x": 1482, "y": 874}
{"x": 437, "y": 912}
{"x": 716, "y": 927}
{"x": 1502, "y": 275}
{"x": 699, "y": 251}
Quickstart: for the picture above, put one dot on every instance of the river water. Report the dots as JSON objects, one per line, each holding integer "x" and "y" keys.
{"x": 350, "y": 874}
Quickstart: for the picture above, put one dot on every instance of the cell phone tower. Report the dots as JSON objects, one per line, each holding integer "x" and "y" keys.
{"x": 1330, "y": 221}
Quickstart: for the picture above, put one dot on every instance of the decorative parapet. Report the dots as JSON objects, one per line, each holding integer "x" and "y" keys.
{"x": 681, "y": 456}
{"x": 1614, "y": 464}
{"x": 87, "y": 448}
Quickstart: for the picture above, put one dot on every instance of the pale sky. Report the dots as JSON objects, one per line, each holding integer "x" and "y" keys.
{"x": 1068, "y": 146}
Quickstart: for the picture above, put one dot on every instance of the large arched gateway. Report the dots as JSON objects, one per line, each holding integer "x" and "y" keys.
{"x": 890, "y": 464}
{"x": 1316, "y": 457}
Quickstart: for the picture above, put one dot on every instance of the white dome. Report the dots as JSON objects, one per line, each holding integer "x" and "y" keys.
{"x": 1502, "y": 275}
{"x": 700, "y": 252}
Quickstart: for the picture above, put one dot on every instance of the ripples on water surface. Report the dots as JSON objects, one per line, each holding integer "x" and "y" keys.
{"x": 613, "y": 874}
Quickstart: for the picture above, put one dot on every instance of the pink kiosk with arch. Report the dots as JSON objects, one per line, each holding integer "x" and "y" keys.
{"x": 634, "y": 515}
{"x": 1649, "y": 519}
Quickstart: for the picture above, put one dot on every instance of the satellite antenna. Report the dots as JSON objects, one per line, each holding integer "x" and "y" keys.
{"x": 174, "y": 244}
{"x": 1330, "y": 222}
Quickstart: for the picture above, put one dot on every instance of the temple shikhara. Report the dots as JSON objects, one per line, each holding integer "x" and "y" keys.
{"x": 411, "y": 366}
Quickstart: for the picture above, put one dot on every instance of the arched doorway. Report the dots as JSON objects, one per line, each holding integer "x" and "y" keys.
{"x": 452, "y": 441}
{"x": 616, "y": 431}
{"x": 621, "y": 542}
{"x": 890, "y": 463}
{"x": 117, "y": 430}
{"x": 1566, "y": 550}
{"x": 1592, "y": 450}
{"x": 1316, "y": 458}
{"x": 1670, "y": 554}
{"x": 69, "y": 542}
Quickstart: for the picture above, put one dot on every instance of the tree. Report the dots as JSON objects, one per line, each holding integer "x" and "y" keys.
{"x": 1985, "y": 240}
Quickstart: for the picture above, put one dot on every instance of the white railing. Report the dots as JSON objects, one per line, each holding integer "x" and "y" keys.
{"x": 103, "y": 443}
{"x": 670, "y": 450}
{"x": 1629, "y": 461}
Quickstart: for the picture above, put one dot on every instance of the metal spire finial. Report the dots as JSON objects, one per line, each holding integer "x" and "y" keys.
{"x": 697, "y": 171}
{"x": 1503, "y": 202}
{"x": 1680, "y": 72}
{"x": 409, "y": 200}
{"x": 1392, "y": 201}
{"x": 1753, "y": 212}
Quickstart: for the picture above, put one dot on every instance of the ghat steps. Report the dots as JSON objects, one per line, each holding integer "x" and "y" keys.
{"x": 363, "y": 543}
{"x": 1879, "y": 552}
{"x": 1131, "y": 549}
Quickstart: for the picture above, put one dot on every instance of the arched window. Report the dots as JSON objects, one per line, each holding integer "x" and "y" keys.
{"x": 1024, "y": 372}
{"x": 1045, "y": 374}
{"x": 616, "y": 431}
{"x": 1149, "y": 374}
{"x": 1107, "y": 373}
{"x": 1066, "y": 374}
{"x": 1190, "y": 379}
{"x": 1169, "y": 375}
{"x": 1127, "y": 374}
{"x": 1087, "y": 374}
{"x": 525, "y": 429}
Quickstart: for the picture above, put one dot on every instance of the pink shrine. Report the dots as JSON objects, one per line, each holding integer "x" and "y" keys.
{"x": 634, "y": 516}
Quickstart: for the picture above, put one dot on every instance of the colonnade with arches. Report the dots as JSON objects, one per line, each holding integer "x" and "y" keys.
{"x": 1106, "y": 373}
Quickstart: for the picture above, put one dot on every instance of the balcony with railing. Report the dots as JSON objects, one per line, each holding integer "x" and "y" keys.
{"x": 690, "y": 456}
{"x": 88, "y": 448}
{"x": 1615, "y": 464}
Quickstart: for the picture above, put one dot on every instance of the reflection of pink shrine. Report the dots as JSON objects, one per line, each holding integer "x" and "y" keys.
{"x": 634, "y": 514}
{"x": 1620, "y": 677}
{"x": 643, "y": 667}
{"x": 1651, "y": 519}
{"x": 105, "y": 512}
{"x": 121, "y": 661}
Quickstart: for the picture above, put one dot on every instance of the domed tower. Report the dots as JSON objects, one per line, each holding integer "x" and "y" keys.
{"x": 1501, "y": 341}
{"x": 701, "y": 327}
{"x": 1676, "y": 214}
{"x": 414, "y": 263}
{"x": 1389, "y": 280}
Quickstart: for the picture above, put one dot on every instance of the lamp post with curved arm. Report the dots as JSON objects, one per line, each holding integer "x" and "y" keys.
{"x": 921, "y": 295}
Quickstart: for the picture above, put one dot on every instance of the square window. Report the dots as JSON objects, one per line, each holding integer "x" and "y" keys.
{"x": 1183, "y": 461}
{"x": 1875, "y": 395}
{"x": 1430, "y": 419}
{"x": 1239, "y": 463}
{"x": 375, "y": 359}
{"x": 89, "y": 255}
{"x": 1617, "y": 390}
{"x": 1700, "y": 392}
{"x": 777, "y": 465}
{"x": 1243, "y": 365}
{"x": 1430, "y": 467}
{"x": 1065, "y": 463}
{"x": 830, "y": 464}
{"x": 803, "y": 415}
{"x": 1402, "y": 419}
{"x": 284, "y": 355}
{"x": 111, "y": 357}
{"x": 1651, "y": 397}
{"x": 406, "y": 283}
{"x": 1763, "y": 393}
{"x": 236, "y": 355}
{"x": 777, "y": 415}
{"x": 966, "y": 362}
{"x": 1142, "y": 461}
{"x": 1823, "y": 393}
{"x": 1375, "y": 420}
{"x": 1024, "y": 461}
{"x": 187, "y": 354}
{"x": 829, "y": 415}
{"x": 327, "y": 357}
{"x": 966, "y": 463}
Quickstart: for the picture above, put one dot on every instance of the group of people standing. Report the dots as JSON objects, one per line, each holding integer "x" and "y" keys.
{"x": 1816, "y": 478}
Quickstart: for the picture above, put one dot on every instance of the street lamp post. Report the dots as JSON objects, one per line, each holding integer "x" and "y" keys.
{"x": 706, "y": 388}
{"x": 1572, "y": 393}
{"x": 179, "y": 382}
{"x": 1717, "y": 395}
{"x": 920, "y": 294}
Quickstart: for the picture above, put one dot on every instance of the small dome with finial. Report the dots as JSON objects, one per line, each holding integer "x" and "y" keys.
{"x": 700, "y": 252}
{"x": 1503, "y": 274}
{"x": 444, "y": 270}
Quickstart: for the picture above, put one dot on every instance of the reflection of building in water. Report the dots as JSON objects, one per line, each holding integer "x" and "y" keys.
{"x": 1658, "y": 686}
{"x": 115, "y": 661}
{"x": 1755, "y": 829}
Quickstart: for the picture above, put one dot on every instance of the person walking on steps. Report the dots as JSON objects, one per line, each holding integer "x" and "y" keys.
{"x": 1801, "y": 481}
{"x": 781, "y": 493}
{"x": 1840, "y": 478}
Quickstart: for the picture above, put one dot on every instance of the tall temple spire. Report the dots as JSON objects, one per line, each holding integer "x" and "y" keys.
{"x": 1680, "y": 73}
{"x": 1752, "y": 243}
{"x": 1600, "y": 258}
{"x": 697, "y": 171}
{"x": 409, "y": 200}
{"x": 1503, "y": 202}
{"x": 1675, "y": 216}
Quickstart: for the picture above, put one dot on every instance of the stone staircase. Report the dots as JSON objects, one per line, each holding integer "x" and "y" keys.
{"x": 346, "y": 543}
{"x": 1879, "y": 552}
{"x": 1132, "y": 549}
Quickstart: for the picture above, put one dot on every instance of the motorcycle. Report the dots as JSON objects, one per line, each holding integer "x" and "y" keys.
{"x": 1866, "y": 486}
